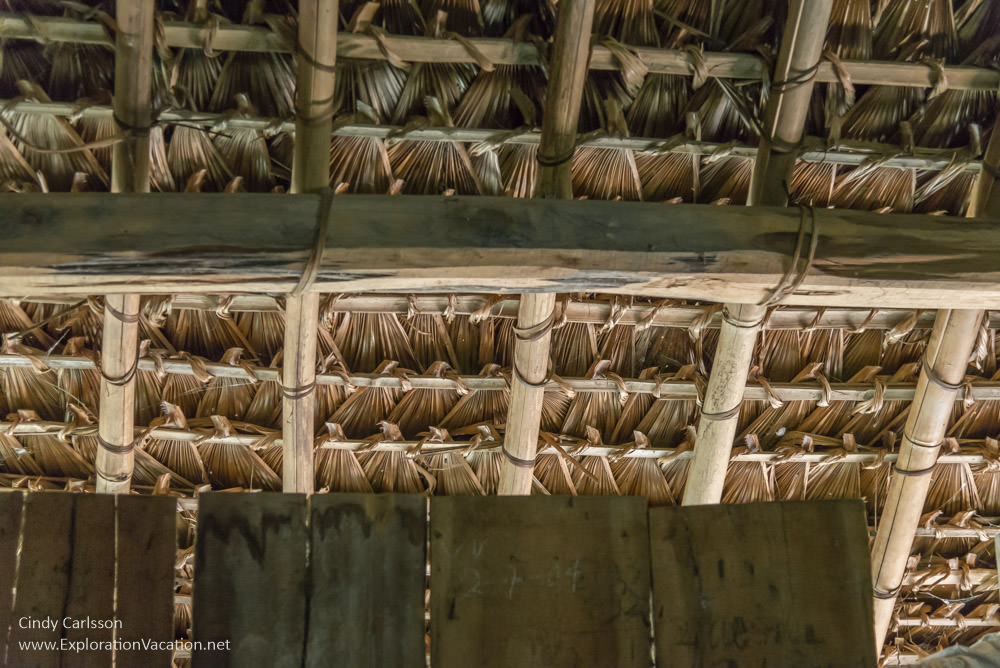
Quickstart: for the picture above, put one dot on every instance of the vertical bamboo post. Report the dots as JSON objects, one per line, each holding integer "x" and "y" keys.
{"x": 570, "y": 60}
{"x": 129, "y": 174}
{"x": 786, "y": 111}
{"x": 316, "y": 55}
{"x": 947, "y": 356}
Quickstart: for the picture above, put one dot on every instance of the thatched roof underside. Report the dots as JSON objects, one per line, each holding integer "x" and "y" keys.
{"x": 623, "y": 412}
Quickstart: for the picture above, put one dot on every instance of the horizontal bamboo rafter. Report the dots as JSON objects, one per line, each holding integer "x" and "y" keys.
{"x": 814, "y": 149}
{"x": 168, "y": 243}
{"x": 498, "y": 51}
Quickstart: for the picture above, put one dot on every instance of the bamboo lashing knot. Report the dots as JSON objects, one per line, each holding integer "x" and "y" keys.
{"x": 885, "y": 595}
{"x": 116, "y": 449}
{"x": 724, "y": 415}
{"x": 536, "y": 331}
{"x": 517, "y": 461}
{"x": 794, "y": 277}
{"x": 914, "y": 474}
{"x": 934, "y": 377}
{"x": 311, "y": 268}
{"x": 124, "y": 318}
{"x": 741, "y": 324}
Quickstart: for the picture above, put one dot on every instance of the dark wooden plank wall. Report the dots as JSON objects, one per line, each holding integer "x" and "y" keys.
{"x": 73, "y": 550}
{"x": 762, "y": 584}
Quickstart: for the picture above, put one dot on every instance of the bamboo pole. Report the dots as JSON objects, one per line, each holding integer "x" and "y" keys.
{"x": 948, "y": 352}
{"x": 129, "y": 174}
{"x": 571, "y": 53}
{"x": 801, "y": 46}
{"x": 310, "y": 172}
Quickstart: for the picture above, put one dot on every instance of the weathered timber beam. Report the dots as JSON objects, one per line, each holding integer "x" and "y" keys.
{"x": 134, "y": 41}
{"x": 801, "y": 46}
{"x": 189, "y": 243}
{"x": 498, "y": 51}
{"x": 813, "y": 150}
{"x": 314, "y": 100}
{"x": 536, "y": 312}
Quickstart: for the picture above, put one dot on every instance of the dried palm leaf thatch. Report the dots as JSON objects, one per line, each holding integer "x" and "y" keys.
{"x": 465, "y": 335}
{"x": 641, "y": 476}
{"x": 500, "y": 15}
{"x": 191, "y": 152}
{"x": 849, "y": 34}
{"x": 14, "y": 318}
{"x": 234, "y": 464}
{"x": 827, "y": 347}
{"x": 628, "y": 21}
{"x": 574, "y": 348}
{"x": 813, "y": 183}
{"x": 871, "y": 417}
{"x": 979, "y": 418}
{"x": 505, "y": 97}
{"x": 204, "y": 333}
{"x": 791, "y": 476}
{"x": 265, "y": 330}
{"x": 977, "y": 22}
{"x": 421, "y": 408}
{"x": 593, "y": 477}
{"x": 553, "y": 476}
{"x": 431, "y": 167}
{"x": 265, "y": 408}
{"x": 337, "y": 469}
{"x": 186, "y": 390}
{"x": 328, "y": 397}
{"x": 452, "y": 473}
{"x": 366, "y": 339}
{"x": 228, "y": 396}
{"x": 461, "y": 16}
{"x": 14, "y": 458}
{"x": 429, "y": 337}
{"x": 903, "y": 345}
{"x": 160, "y": 177}
{"x": 361, "y": 413}
{"x": 835, "y": 479}
{"x": 669, "y": 176}
{"x": 485, "y": 460}
{"x": 16, "y": 174}
{"x": 668, "y": 348}
{"x": 267, "y": 80}
{"x": 659, "y": 107}
{"x": 148, "y": 385}
{"x": 618, "y": 346}
{"x": 97, "y": 130}
{"x": 79, "y": 70}
{"x": 666, "y": 422}
{"x": 726, "y": 181}
{"x": 445, "y": 83}
{"x": 374, "y": 85}
{"x": 635, "y": 408}
{"x": 195, "y": 75}
{"x": 947, "y": 191}
{"x": 748, "y": 482}
{"x": 930, "y": 23}
{"x": 987, "y": 477}
{"x": 362, "y": 163}
{"x": 781, "y": 354}
{"x": 81, "y": 386}
{"x": 834, "y": 416}
{"x": 873, "y": 188}
{"x": 518, "y": 169}
{"x": 676, "y": 465}
{"x": 181, "y": 457}
{"x": 479, "y": 406}
{"x": 597, "y": 410}
{"x": 53, "y": 454}
{"x": 950, "y": 547}
{"x": 35, "y": 389}
{"x": 953, "y": 486}
{"x": 244, "y": 150}
{"x": 607, "y": 173}
{"x": 22, "y": 60}
{"x": 781, "y": 416}
{"x": 391, "y": 470}
{"x": 35, "y": 134}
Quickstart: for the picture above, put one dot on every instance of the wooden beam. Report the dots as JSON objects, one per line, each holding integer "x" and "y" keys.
{"x": 947, "y": 355}
{"x": 129, "y": 174}
{"x": 568, "y": 73}
{"x": 190, "y": 243}
{"x": 801, "y": 47}
{"x": 310, "y": 172}
{"x": 721, "y": 65}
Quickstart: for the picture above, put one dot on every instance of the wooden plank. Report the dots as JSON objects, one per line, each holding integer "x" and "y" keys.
{"x": 532, "y": 581}
{"x": 368, "y": 558}
{"x": 250, "y": 579}
{"x": 92, "y": 577}
{"x": 498, "y": 51}
{"x": 11, "y": 507}
{"x": 146, "y": 552}
{"x": 178, "y": 242}
{"x": 43, "y": 579}
{"x": 759, "y": 585}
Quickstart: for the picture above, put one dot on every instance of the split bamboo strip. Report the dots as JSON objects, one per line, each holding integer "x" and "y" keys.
{"x": 947, "y": 356}
{"x": 318, "y": 21}
{"x": 129, "y": 174}
{"x": 498, "y": 51}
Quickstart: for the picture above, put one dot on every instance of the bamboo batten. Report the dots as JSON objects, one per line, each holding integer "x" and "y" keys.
{"x": 317, "y": 35}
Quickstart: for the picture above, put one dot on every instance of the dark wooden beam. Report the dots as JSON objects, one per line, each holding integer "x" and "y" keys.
{"x": 253, "y": 243}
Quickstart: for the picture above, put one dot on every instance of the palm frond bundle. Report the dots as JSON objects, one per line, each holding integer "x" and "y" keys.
{"x": 80, "y": 386}
{"x": 499, "y": 15}
{"x": 552, "y": 473}
{"x": 422, "y": 408}
{"x": 366, "y": 339}
{"x": 479, "y": 406}
{"x": 22, "y": 60}
{"x": 337, "y": 469}
{"x": 203, "y": 333}
{"x": 987, "y": 477}
{"x": 635, "y": 408}
{"x": 834, "y": 479}
{"x": 79, "y": 70}
{"x": 726, "y": 181}
{"x": 51, "y": 453}
{"x": 97, "y": 129}
{"x": 391, "y": 470}
{"x": 51, "y": 132}
{"x": 668, "y": 348}
{"x": 234, "y": 464}
{"x": 181, "y": 457}
{"x": 267, "y": 80}
{"x": 607, "y": 173}
{"x": 185, "y": 390}
{"x": 666, "y": 422}
{"x": 244, "y": 151}
{"x": 874, "y": 416}
{"x": 14, "y": 317}
{"x": 33, "y": 388}
{"x": 618, "y": 346}
{"x": 813, "y": 183}
{"x": 596, "y": 410}
{"x": 574, "y": 348}
{"x": 641, "y": 476}
{"x": 195, "y": 74}
{"x": 781, "y": 416}
{"x": 454, "y": 475}
{"x": 445, "y": 83}
{"x": 225, "y": 395}
{"x": 953, "y": 486}
{"x": 903, "y": 24}
{"x": 362, "y": 163}
{"x": 429, "y": 338}
{"x": 265, "y": 330}
{"x": 669, "y": 176}
{"x": 748, "y": 482}
{"x": 361, "y": 413}
{"x": 265, "y": 407}
{"x": 190, "y": 152}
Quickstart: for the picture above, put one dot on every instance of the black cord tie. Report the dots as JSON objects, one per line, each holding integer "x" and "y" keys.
{"x": 914, "y": 474}
{"x": 935, "y": 378}
{"x": 723, "y": 416}
{"x": 125, "y": 318}
{"x": 517, "y": 461}
{"x": 116, "y": 449}
{"x": 885, "y": 595}
{"x": 297, "y": 392}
